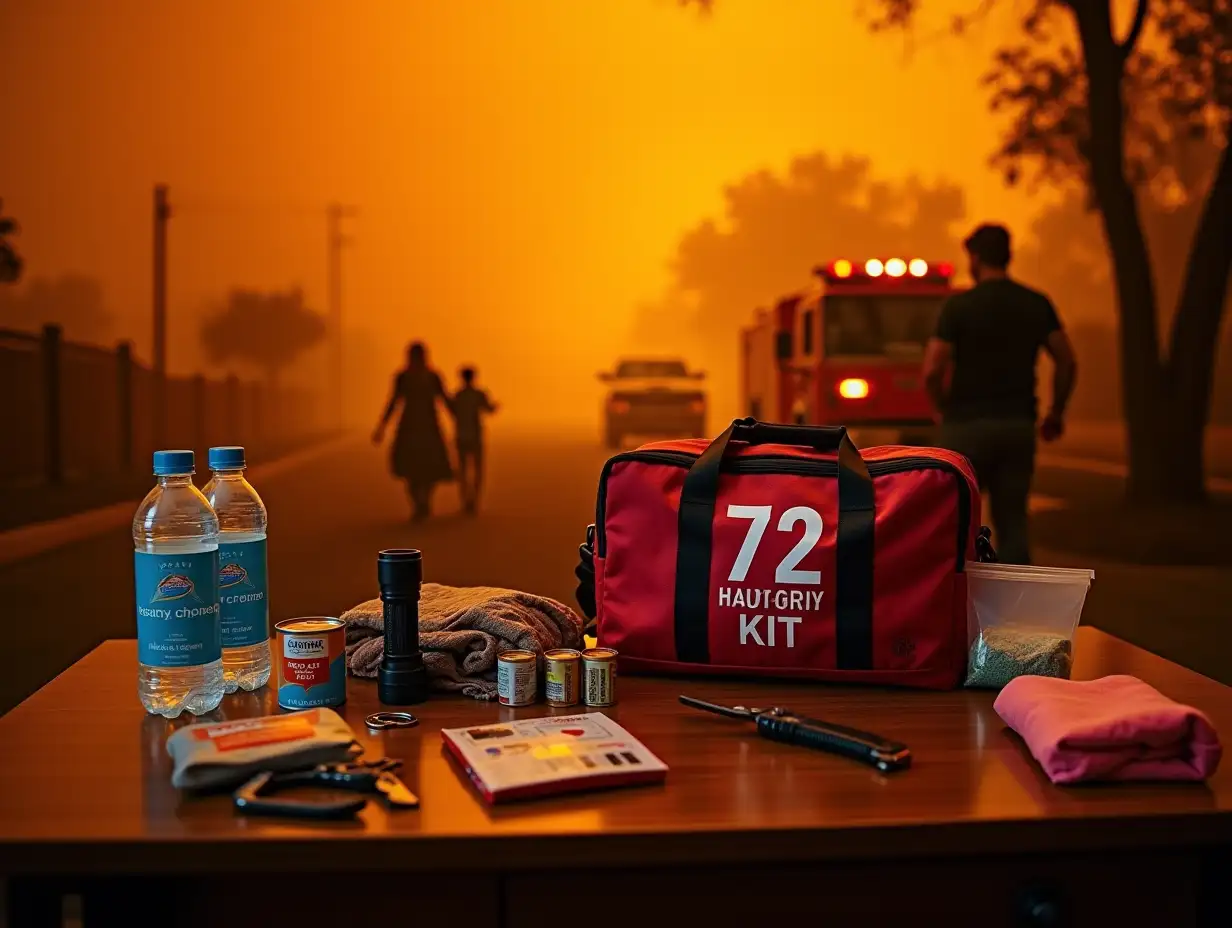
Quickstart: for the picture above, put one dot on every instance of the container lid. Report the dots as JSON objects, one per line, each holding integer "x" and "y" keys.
{"x": 1030, "y": 573}
{"x": 173, "y": 463}
{"x": 310, "y": 624}
{"x": 226, "y": 457}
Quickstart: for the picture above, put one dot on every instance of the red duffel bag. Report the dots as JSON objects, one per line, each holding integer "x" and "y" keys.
{"x": 782, "y": 551}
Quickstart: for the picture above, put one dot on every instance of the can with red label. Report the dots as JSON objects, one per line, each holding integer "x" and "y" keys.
{"x": 311, "y": 662}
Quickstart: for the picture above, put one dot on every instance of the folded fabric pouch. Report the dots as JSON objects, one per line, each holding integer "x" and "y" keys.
{"x": 208, "y": 755}
{"x": 1113, "y": 728}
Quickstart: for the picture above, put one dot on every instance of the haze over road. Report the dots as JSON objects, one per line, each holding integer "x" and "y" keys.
{"x": 1105, "y": 441}
{"x": 330, "y": 516}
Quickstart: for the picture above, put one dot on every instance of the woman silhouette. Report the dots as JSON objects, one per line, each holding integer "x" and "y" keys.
{"x": 418, "y": 454}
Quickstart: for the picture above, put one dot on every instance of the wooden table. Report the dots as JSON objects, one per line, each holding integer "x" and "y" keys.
{"x": 743, "y": 828}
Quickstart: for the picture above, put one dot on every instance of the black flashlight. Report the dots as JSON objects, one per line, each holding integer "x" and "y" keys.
{"x": 402, "y": 679}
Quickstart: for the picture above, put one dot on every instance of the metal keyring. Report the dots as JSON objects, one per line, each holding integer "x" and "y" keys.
{"x": 382, "y": 720}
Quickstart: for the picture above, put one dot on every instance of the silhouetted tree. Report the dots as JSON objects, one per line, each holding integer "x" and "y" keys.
{"x": 10, "y": 260}
{"x": 1069, "y": 259}
{"x": 775, "y": 229}
{"x": 1066, "y": 82}
{"x": 74, "y": 302}
{"x": 267, "y": 330}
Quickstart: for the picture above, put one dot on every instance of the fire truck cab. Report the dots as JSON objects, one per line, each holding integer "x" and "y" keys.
{"x": 849, "y": 352}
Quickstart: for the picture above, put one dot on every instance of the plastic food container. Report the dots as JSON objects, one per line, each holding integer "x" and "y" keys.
{"x": 1022, "y": 621}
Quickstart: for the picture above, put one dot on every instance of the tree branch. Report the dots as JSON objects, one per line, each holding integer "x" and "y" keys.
{"x": 1126, "y": 46}
{"x": 962, "y": 21}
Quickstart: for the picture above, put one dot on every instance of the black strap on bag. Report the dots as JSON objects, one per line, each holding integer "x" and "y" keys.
{"x": 985, "y": 553}
{"x": 585, "y": 573}
{"x": 854, "y": 580}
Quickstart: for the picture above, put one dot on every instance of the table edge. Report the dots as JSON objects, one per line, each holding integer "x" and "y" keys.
{"x": 364, "y": 852}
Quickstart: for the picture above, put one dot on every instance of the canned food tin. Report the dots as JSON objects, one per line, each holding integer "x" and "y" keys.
{"x": 311, "y": 662}
{"x": 599, "y": 676}
{"x": 517, "y": 680}
{"x": 562, "y": 682}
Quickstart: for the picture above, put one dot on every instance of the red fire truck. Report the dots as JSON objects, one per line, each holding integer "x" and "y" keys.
{"x": 849, "y": 351}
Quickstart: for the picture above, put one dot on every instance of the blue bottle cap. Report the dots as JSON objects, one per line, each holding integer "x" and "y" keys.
{"x": 170, "y": 463}
{"x": 226, "y": 457}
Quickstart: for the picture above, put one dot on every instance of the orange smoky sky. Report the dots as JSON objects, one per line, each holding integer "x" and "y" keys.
{"x": 523, "y": 168}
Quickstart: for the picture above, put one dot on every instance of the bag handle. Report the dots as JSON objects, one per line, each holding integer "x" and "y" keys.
{"x": 853, "y": 583}
{"x": 824, "y": 438}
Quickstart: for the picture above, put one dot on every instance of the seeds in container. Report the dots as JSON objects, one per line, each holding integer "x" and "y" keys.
{"x": 998, "y": 655}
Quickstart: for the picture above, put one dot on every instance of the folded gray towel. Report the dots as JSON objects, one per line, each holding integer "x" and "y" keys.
{"x": 461, "y": 630}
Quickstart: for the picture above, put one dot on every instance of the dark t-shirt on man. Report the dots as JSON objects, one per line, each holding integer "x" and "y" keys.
{"x": 996, "y": 329}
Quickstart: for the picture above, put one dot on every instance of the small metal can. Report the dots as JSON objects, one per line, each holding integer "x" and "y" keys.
{"x": 562, "y": 682}
{"x": 311, "y": 662}
{"x": 517, "y": 678}
{"x": 599, "y": 676}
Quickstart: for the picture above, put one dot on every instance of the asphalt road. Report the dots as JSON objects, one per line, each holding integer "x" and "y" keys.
{"x": 330, "y": 517}
{"x": 327, "y": 522}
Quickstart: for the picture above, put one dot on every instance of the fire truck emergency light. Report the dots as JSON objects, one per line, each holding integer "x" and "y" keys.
{"x": 853, "y": 388}
{"x": 894, "y": 268}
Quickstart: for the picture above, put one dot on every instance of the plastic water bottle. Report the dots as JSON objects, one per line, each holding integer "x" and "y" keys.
{"x": 242, "y": 588}
{"x": 179, "y": 642}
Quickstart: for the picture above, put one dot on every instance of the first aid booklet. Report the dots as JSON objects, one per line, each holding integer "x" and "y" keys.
{"x": 556, "y": 754}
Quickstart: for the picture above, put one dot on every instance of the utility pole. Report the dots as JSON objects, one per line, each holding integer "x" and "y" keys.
{"x": 162, "y": 212}
{"x": 334, "y": 216}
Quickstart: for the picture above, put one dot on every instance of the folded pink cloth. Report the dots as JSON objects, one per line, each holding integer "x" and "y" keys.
{"x": 1114, "y": 728}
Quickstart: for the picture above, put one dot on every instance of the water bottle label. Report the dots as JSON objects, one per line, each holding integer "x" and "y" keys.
{"x": 177, "y": 609}
{"x": 242, "y": 594}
